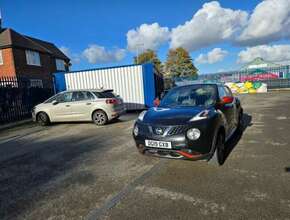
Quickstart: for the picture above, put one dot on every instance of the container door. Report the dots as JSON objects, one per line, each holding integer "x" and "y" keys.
{"x": 59, "y": 82}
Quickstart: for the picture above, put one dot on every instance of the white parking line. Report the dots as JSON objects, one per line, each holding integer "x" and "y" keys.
{"x": 206, "y": 207}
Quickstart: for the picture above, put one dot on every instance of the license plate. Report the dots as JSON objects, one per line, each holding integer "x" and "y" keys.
{"x": 158, "y": 144}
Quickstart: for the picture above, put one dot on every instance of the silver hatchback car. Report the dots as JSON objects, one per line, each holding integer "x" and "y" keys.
{"x": 99, "y": 106}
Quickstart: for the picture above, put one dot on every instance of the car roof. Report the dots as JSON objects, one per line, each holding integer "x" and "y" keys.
{"x": 194, "y": 84}
{"x": 90, "y": 90}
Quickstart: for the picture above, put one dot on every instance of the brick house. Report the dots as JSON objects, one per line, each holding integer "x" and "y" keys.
{"x": 24, "y": 56}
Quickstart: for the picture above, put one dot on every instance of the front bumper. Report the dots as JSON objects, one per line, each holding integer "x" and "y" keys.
{"x": 33, "y": 116}
{"x": 181, "y": 146}
{"x": 183, "y": 154}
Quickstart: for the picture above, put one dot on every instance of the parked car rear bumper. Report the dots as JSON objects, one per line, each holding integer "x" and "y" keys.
{"x": 117, "y": 113}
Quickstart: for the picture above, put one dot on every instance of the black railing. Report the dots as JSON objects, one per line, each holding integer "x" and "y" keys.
{"x": 277, "y": 83}
{"x": 17, "y": 98}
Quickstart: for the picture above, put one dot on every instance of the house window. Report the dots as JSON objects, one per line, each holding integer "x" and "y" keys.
{"x": 32, "y": 58}
{"x": 1, "y": 58}
{"x": 36, "y": 83}
{"x": 59, "y": 64}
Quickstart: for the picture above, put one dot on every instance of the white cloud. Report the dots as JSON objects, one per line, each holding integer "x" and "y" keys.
{"x": 98, "y": 54}
{"x": 271, "y": 53}
{"x": 211, "y": 24}
{"x": 213, "y": 56}
{"x": 270, "y": 21}
{"x": 75, "y": 58}
{"x": 147, "y": 36}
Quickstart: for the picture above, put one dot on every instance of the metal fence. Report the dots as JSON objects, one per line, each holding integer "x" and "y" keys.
{"x": 256, "y": 74}
{"x": 17, "y": 98}
{"x": 277, "y": 83}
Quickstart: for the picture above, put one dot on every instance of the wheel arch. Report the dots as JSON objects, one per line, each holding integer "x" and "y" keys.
{"x": 219, "y": 129}
{"x": 42, "y": 111}
{"x": 214, "y": 158}
{"x": 241, "y": 110}
{"x": 98, "y": 109}
{"x": 222, "y": 130}
{"x": 41, "y": 121}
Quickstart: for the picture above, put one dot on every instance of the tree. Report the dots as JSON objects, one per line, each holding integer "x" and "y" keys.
{"x": 179, "y": 63}
{"x": 149, "y": 56}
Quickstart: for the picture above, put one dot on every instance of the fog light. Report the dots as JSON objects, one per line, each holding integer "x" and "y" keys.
{"x": 136, "y": 130}
{"x": 193, "y": 134}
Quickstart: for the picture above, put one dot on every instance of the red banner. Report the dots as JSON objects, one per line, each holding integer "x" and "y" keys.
{"x": 259, "y": 77}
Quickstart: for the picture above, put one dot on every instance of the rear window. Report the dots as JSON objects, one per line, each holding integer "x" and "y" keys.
{"x": 105, "y": 94}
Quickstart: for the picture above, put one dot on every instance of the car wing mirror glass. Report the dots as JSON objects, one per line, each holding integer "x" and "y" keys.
{"x": 156, "y": 102}
{"x": 54, "y": 102}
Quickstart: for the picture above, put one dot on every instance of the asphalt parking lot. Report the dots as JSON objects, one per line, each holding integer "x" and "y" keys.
{"x": 80, "y": 171}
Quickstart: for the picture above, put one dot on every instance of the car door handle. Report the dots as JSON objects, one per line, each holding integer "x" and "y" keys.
{"x": 88, "y": 103}
{"x": 67, "y": 105}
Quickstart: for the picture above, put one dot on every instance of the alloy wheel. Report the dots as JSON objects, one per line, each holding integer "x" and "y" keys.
{"x": 100, "y": 118}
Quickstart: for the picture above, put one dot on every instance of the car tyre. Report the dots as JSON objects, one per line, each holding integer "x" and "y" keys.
{"x": 218, "y": 157}
{"x": 43, "y": 119}
{"x": 240, "y": 127}
{"x": 100, "y": 117}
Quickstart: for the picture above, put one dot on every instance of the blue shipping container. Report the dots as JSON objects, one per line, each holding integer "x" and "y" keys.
{"x": 138, "y": 85}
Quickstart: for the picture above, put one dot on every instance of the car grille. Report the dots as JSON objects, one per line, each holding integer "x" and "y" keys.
{"x": 161, "y": 128}
{"x": 179, "y": 129}
{"x": 169, "y": 130}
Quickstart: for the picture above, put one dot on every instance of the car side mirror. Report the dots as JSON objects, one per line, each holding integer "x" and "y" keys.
{"x": 156, "y": 102}
{"x": 54, "y": 102}
{"x": 227, "y": 100}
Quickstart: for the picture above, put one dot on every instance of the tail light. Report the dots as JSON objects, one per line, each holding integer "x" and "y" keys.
{"x": 112, "y": 101}
{"x": 227, "y": 99}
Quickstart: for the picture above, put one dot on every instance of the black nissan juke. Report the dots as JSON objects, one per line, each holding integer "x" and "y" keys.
{"x": 191, "y": 122}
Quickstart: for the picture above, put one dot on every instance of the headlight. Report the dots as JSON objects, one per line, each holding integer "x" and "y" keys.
{"x": 136, "y": 130}
{"x": 141, "y": 116}
{"x": 202, "y": 115}
{"x": 193, "y": 134}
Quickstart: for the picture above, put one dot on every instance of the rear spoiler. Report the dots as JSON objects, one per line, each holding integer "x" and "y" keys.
{"x": 108, "y": 90}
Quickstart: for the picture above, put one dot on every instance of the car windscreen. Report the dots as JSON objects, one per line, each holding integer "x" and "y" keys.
{"x": 191, "y": 96}
{"x": 105, "y": 94}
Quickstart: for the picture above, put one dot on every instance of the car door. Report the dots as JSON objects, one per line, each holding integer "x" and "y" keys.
{"x": 235, "y": 115}
{"x": 61, "y": 109}
{"x": 227, "y": 109}
{"x": 81, "y": 106}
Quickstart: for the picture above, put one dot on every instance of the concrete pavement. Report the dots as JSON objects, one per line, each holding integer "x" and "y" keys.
{"x": 80, "y": 171}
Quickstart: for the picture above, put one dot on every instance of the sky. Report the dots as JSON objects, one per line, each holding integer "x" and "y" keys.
{"x": 220, "y": 35}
